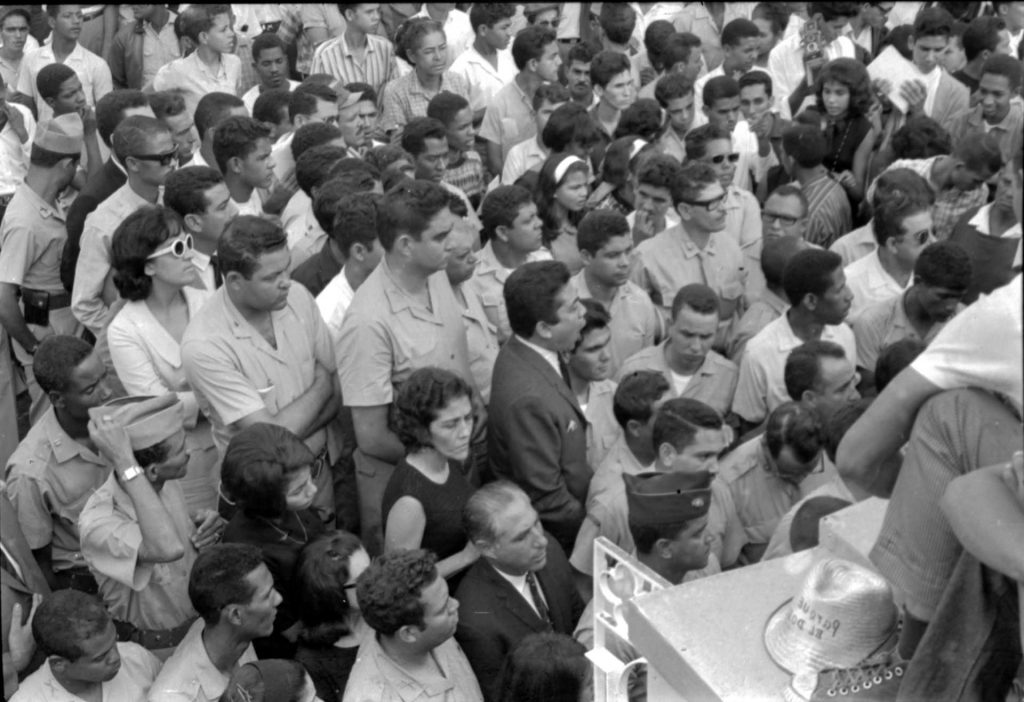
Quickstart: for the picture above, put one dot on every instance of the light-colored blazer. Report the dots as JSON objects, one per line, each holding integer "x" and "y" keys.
{"x": 951, "y": 98}
{"x": 147, "y": 358}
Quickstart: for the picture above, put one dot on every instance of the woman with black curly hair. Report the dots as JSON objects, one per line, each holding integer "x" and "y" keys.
{"x": 422, "y": 506}
{"x": 844, "y": 98}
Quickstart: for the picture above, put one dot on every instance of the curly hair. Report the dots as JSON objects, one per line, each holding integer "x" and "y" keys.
{"x": 257, "y": 466}
{"x": 851, "y": 73}
{"x": 411, "y": 32}
{"x": 921, "y": 137}
{"x": 321, "y": 574}
{"x": 140, "y": 234}
{"x": 56, "y": 359}
{"x": 642, "y": 118}
{"x": 419, "y": 400}
{"x": 389, "y": 590}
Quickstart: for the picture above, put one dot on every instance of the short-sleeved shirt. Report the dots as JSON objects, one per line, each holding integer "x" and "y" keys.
{"x": 148, "y": 595}
{"x": 602, "y": 428}
{"x": 953, "y": 359}
{"x": 767, "y": 308}
{"x": 483, "y": 78}
{"x": 195, "y": 79}
{"x": 761, "y": 386}
{"x": 49, "y": 479}
{"x": 884, "y": 323}
{"x": 376, "y": 676}
{"x": 636, "y": 323}
{"x": 253, "y": 94}
{"x": 92, "y": 72}
{"x": 466, "y": 174}
{"x": 377, "y": 68}
{"x": 489, "y": 281}
{"x": 855, "y": 245}
{"x": 870, "y": 283}
{"x": 713, "y": 383}
{"x": 333, "y": 302}
{"x": 189, "y": 675}
{"x": 235, "y": 372}
{"x": 525, "y": 156}
{"x": 482, "y": 341}
{"x": 94, "y": 257}
{"x": 509, "y": 118}
{"x": 620, "y": 460}
{"x": 15, "y": 153}
{"x": 387, "y": 335}
{"x": 133, "y": 680}
{"x": 32, "y": 237}
{"x": 670, "y": 260}
{"x": 405, "y": 98}
{"x": 760, "y": 496}
{"x": 971, "y": 121}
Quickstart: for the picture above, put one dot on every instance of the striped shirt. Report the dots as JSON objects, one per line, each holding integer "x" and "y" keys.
{"x": 376, "y": 68}
{"x": 405, "y": 98}
{"x": 467, "y": 174}
{"x": 828, "y": 208}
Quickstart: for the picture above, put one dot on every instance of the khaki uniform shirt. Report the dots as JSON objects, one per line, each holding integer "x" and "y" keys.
{"x": 602, "y": 429}
{"x": 636, "y": 322}
{"x": 714, "y": 383}
{"x": 49, "y": 479}
{"x": 489, "y": 280}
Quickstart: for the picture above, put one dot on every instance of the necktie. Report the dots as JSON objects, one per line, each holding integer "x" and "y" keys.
{"x": 218, "y": 279}
{"x": 563, "y": 369}
{"x": 538, "y": 598}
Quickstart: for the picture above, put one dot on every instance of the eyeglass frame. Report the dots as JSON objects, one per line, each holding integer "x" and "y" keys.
{"x": 784, "y": 220}
{"x": 163, "y": 159}
{"x": 709, "y": 205}
{"x": 187, "y": 244}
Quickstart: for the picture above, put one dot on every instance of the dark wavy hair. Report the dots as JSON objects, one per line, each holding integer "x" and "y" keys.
{"x": 419, "y": 399}
{"x": 321, "y": 575}
{"x": 389, "y": 590}
{"x": 544, "y": 195}
{"x": 851, "y": 73}
{"x": 135, "y": 239}
{"x": 545, "y": 668}
{"x": 257, "y": 466}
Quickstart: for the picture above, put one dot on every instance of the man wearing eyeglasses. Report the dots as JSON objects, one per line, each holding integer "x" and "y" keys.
{"x": 146, "y": 148}
{"x": 696, "y": 250}
{"x": 903, "y": 227}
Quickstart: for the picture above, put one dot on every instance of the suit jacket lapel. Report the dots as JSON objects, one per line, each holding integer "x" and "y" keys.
{"x": 513, "y": 602}
{"x": 539, "y": 365}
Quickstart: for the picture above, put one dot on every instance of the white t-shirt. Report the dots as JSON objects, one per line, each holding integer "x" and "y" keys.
{"x": 981, "y": 347}
{"x": 680, "y": 382}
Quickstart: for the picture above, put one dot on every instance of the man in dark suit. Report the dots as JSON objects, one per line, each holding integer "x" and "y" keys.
{"x": 521, "y": 585}
{"x": 537, "y": 432}
{"x": 111, "y": 109}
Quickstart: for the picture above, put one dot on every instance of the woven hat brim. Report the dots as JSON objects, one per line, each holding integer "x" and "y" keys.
{"x": 793, "y": 655}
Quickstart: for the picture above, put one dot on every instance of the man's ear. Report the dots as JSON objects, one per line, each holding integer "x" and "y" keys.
{"x": 193, "y": 222}
{"x": 232, "y": 614}
{"x": 666, "y": 453}
{"x": 587, "y": 257}
{"x": 633, "y": 427}
{"x": 235, "y": 165}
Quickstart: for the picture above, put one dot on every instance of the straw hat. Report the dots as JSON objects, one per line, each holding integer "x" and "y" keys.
{"x": 843, "y": 614}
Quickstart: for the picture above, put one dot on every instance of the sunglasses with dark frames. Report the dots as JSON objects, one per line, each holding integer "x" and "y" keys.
{"x": 709, "y": 205}
{"x": 733, "y": 158}
{"x": 164, "y": 159}
{"x": 178, "y": 248}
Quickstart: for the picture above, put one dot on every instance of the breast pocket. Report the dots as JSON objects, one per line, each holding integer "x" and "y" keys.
{"x": 731, "y": 294}
{"x": 416, "y": 347}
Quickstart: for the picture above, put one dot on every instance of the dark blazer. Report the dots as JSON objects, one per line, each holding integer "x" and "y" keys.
{"x": 537, "y": 438}
{"x": 96, "y": 190}
{"x": 494, "y": 618}
{"x": 15, "y": 589}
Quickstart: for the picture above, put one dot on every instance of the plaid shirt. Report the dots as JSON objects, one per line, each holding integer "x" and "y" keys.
{"x": 405, "y": 98}
{"x": 466, "y": 174}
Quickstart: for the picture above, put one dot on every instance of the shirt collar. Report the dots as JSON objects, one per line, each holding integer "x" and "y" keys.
{"x": 64, "y": 447}
{"x": 408, "y": 687}
{"x": 547, "y": 354}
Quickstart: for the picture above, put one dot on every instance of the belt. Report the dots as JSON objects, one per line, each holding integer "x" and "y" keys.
{"x": 57, "y": 300}
{"x": 153, "y": 639}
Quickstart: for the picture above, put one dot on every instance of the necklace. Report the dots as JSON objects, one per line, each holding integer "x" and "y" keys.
{"x": 285, "y": 536}
{"x": 842, "y": 143}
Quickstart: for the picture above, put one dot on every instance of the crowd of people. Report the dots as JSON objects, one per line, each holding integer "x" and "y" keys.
{"x": 332, "y": 337}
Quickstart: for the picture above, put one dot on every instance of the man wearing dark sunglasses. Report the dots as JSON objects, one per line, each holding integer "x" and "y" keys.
{"x": 903, "y": 227}
{"x": 146, "y": 148}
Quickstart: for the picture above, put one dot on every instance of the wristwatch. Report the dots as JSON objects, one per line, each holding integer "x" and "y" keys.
{"x": 130, "y": 473}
